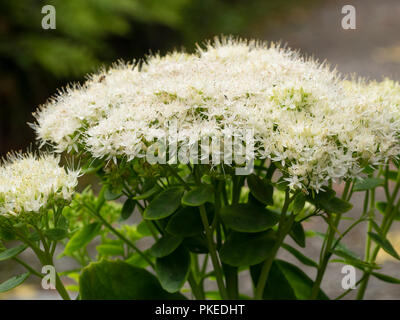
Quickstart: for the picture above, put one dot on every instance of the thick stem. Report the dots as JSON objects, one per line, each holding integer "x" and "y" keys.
{"x": 61, "y": 289}
{"x": 232, "y": 281}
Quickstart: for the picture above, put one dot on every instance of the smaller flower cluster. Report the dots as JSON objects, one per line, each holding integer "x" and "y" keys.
{"x": 28, "y": 183}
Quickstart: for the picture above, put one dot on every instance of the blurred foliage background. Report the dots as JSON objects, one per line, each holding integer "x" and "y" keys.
{"x": 92, "y": 33}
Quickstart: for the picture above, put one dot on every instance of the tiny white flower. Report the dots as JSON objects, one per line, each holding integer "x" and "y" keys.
{"x": 28, "y": 182}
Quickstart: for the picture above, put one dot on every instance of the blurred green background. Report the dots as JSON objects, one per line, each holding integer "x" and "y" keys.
{"x": 92, "y": 33}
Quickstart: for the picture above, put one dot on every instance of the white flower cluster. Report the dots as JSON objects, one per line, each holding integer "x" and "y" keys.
{"x": 302, "y": 114}
{"x": 29, "y": 182}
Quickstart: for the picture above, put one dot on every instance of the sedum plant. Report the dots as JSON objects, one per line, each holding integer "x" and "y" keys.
{"x": 223, "y": 154}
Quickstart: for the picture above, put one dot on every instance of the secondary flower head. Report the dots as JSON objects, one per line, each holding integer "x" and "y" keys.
{"x": 301, "y": 113}
{"x": 28, "y": 182}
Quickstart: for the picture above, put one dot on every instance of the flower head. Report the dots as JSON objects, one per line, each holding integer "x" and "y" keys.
{"x": 28, "y": 182}
{"x": 301, "y": 112}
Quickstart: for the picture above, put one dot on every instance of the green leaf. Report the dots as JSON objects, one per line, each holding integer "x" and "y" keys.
{"x": 7, "y": 234}
{"x": 381, "y": 206}
{"x": 185, "y": 222}
{"x": 246, "y": 249}
{"x": 375, "y": 226}
{"x": 301, "y": 257}
{"x": 196, "y": 244}
{"x": 336, "y": 205}
{"x": 172, "y": 270}
{"x": 340, "y": 246}
{"x": 62, "y": 222}
{"x": 127, "y": 209}
{"x": 56, "y": 234}
{"x": 324, "y": 195}
{"x": 367, "y": 184}
{"x": 110, "y": 249}
{"x": 164, "y": 204}
{"x": 392, "y": 175}
{"x": 282, "y": 184}
{"x": 117, "y": 280}
{"x": 82, "y": 237}
{"x": 261, "y": 189}
{"x": 110, "y": 194}
{"x": 386, "y": 278}
{"x": 143, "y": 228}
{"x": 286, "y": 282}
{"x": 248, "y": 218}
{"x": 149, "y": 193}
{"x": 298, "y": 202}
{"x": 137, "y": 260}
{"x": 198, "y": 196}
{"x": 13, "y": 282}
{"x": 385, "y": 244}
{"x": 12, "y": 252}
{"x": 297, "y": 234}
{"x": 352, "y": 260}
{"x": 165, "y": 246}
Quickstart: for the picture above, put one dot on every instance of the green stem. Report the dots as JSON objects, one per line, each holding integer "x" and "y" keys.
{"x": 284, "y": 229}
{"x": 119, "y": 235}
{"x": 327, "y": 247}
{"x": 196, "y": 289}
{"x": 213, "y": 253}
{"x": 232, "y": 281}
{"x": 61, "y": 289}
{"x": 386, "y": 224}
{"x": 29, "y": 268}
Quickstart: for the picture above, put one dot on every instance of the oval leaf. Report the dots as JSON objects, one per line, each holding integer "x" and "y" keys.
{"x": 185, "y": 222}
{"x": 246, "y": 249}
{"x": 248, "y": 218}
{"x": 173, "y": 269}
{"x": 164, "y": 204}
{"x": 336, "y": 205}
{"x": 165, "y": 246}
{"x": 367, "y": 184}
{"x": 149, "y": 193}
{"x": 127, "y": 209}
{"x": 298, "y": 235}
{"x": 117, "y": 280}
{"x": 261, "y": 189}
{"x": 198, "y": 196}
{"x": 286, "y": 282}
{"x": 56, "y": 234}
